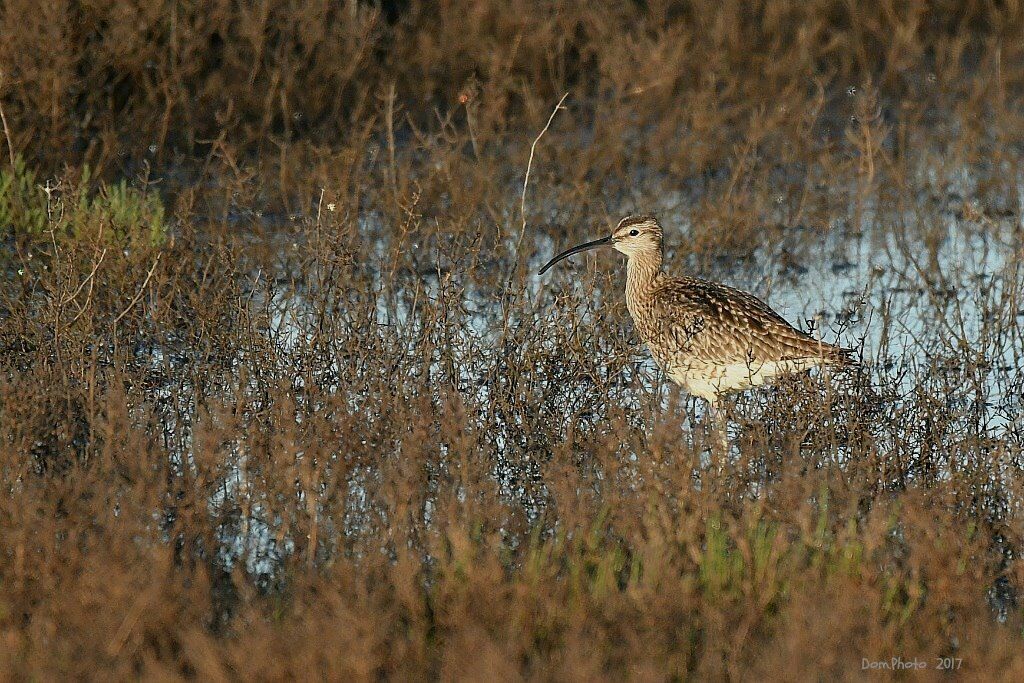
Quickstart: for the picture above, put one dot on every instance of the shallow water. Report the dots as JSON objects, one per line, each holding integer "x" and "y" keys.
{"x": 904, "y": 298}
{"x": 935, "y": 298}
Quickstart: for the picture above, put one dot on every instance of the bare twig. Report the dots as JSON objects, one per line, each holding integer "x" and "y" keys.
{"x": 141, "y": 290}
{"x": 393, "y": 168}
{"x": 522, "y": 209}
{"x": 86, "y": 281}
{"x": 7, "y": 130}
{"x": 131, "y": 620}
{"x": 529, "y": 166}
{"x": 522, "y": 200}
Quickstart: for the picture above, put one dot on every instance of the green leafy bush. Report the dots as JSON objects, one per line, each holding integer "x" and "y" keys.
{"x": 22, "y": 200}
{"x": 116, "y": 212}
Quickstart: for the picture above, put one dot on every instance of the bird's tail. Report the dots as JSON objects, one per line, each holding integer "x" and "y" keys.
{"x": 840, "y": 357}
{"x": 830, "y": 354}
{"x": 808, "y": 348}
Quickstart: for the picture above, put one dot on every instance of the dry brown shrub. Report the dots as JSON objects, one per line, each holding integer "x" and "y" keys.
{"x": 333, "y": 427}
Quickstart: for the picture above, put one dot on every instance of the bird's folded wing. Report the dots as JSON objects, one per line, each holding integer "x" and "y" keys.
{"x": 714, "y": 323}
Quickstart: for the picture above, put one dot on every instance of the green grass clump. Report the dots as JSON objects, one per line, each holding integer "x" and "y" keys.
{"x": 115, "y": 213}
{"x": 22, "y": 200}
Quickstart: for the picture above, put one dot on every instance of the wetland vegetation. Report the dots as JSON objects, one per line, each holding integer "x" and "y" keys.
{"x": 282, "y": 396}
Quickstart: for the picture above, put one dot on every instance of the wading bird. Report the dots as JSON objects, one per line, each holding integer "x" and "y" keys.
{"x": 709, "y": 338}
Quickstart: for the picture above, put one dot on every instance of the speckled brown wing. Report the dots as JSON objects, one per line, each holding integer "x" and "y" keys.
{"x": 716, "y": 324}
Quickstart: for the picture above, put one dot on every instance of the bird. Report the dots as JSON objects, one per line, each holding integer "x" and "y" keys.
{"x": 709, "y": 338}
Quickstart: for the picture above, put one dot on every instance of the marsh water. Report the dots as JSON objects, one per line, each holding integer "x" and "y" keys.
{"x": 928, "y": 299}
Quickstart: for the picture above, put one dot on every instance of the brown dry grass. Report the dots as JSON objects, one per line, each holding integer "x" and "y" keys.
{"x": 335, "y": 429}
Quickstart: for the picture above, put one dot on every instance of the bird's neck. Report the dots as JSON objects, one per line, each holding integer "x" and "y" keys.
{"x": 642, "y": 272}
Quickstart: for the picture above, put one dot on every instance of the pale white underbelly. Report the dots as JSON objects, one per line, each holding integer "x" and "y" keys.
{"x": 710, "y": 381}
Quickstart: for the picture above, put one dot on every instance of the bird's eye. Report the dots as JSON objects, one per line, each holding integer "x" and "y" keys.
{"x": 634, "y": 233}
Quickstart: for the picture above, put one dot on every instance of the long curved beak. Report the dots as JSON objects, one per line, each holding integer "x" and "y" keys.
{"x": 586, "y": 246}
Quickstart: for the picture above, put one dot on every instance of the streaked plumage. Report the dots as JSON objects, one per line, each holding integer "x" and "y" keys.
{"x": 708, "y": 338}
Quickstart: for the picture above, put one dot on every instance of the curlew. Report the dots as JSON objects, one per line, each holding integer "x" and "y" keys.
{"x": 709, "y": 338}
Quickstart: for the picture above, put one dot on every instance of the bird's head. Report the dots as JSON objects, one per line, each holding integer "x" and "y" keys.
{"x": 637, "y": 235}
{"x": 633, "y": 236}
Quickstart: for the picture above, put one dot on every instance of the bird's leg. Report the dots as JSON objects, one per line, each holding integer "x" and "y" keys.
{"x": 720, "y": 433}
